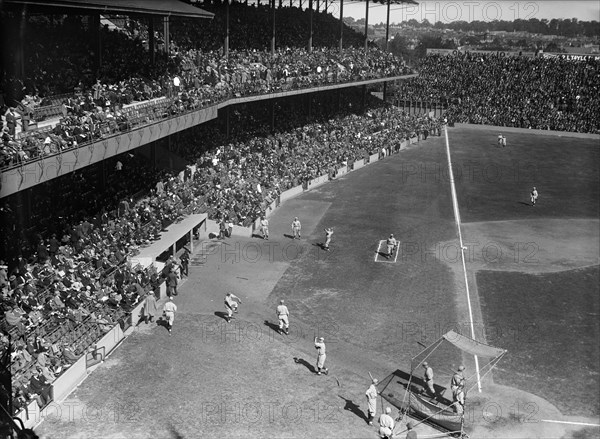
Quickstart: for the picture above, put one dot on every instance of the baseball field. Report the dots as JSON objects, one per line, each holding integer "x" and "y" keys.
{"x": 533, "y": 287}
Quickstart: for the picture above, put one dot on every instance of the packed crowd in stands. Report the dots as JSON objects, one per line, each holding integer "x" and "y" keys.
{"x": 203, "y": 79}
{"x": 539, "y": 93}
{"x": 78, "y": 284}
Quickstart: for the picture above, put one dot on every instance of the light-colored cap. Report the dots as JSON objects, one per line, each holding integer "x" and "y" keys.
{"x": 388, "y": 410}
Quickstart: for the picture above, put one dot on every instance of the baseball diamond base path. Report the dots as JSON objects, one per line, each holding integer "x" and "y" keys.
{"x": 244, "y": 380}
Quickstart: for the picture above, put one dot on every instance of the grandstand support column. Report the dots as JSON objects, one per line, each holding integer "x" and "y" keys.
{"x": 341, "y": 25}
{"x": 151, "y": 39}
{"x": 97, "y": 42}
{"x": 325, "y": 6}
{"x": 364, "y": 97}
{"x": 318, "y": 6}
{"x": 272, "y": 115}
{"x": 387, "y": 26}
{"x": 227, "y": 125}
{"x": 310, "y": 24}
{"x": 367, "y": 26}
{"x": 280, "y": 4}
{"x": 226, "y": 43}
{"x": 273, "y": 35}
{"x": 153, "y": 154}
{"x": 167, "y": 38}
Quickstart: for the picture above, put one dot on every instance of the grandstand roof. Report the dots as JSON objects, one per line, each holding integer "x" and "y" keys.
{"x": 153, "y": 7}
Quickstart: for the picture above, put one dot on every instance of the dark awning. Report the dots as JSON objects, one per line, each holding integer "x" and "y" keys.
{"x": 153, "y": 7}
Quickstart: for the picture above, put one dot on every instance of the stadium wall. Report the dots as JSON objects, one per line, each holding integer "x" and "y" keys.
{"x": 527, "y": 131}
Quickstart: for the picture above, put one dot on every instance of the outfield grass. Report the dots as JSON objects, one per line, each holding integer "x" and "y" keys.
{"x": 549, "y": 325}
{"x": 494, "y": 183}
{"x": 548, "y": 322}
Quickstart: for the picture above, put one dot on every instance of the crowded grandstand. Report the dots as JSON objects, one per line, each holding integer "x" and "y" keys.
{"x": 67, "y": 243}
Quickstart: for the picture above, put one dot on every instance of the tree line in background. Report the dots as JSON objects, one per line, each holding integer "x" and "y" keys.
{"x": 568, "y": 27}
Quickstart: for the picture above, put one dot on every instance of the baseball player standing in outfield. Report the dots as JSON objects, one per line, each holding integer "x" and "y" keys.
{"x": 296, "y": 228}
{"x": 170, "y": 309}
{"x": 371, "y": 401}
{"x": 391, "y": 246}
{"x": 534, "y": 196}
{"x": 328, "y": 233}
{"x": 321, "y": 355}
{"x": 386, "y": 424}
{"x": 264, "y": 225}
{"x": 283, "y": 314}
{"x": 231, "y": 305}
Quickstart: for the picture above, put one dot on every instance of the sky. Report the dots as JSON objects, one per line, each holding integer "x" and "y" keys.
{"x": 469, "y": 10}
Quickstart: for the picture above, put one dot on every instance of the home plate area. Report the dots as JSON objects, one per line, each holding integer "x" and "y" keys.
{"x": 381, "y": 253}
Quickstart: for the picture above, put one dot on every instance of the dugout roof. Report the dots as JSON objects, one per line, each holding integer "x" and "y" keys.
{"x": 146, "y": 7}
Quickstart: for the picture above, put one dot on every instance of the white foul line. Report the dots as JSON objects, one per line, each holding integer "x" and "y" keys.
{"x": 457, "y": 218}
{"x": 377, "y": 252}
{"x": 569, "y": 422}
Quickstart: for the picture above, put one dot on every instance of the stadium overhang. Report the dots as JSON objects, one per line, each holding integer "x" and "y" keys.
{"x": 163, "y": 8}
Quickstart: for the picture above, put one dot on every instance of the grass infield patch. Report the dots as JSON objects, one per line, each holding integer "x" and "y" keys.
{"x": 549, "y": 325}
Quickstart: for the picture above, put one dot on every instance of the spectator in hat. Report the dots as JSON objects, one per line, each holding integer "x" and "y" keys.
{"x": 150, "y": 307}
{"x": 172, "y": 282}
{"x": 185, "y": 261}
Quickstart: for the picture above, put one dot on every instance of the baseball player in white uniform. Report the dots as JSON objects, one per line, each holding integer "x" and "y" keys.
{"x": 283, "y": 315}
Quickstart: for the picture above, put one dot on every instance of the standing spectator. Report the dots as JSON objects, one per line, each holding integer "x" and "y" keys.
{"x": 283, "y": 315}
{"x": 172, "y": 282}
{"x": 321, "y": 355}
{"x": 371, "y": 394}
{"x": 150, "y": 307}
{"x": 231, "y": 305}
{"x": 11, "y": 121}
{"x": 185, "y": 261}
{"x": 170, "y": 309}
{"x": 296, "y": 228}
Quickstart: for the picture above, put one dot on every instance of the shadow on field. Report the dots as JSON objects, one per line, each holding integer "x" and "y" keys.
{"x": 174, "y": 433}
{"x": 256, "y": 235}
{"x": 286, "y": 235}
{"x": 306, "y": 364}
{"x": 221, "y": 314}
{"x": 273, "y": 326}
{"x": 354, "y": 408}
{"x": 524, "y": 203}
